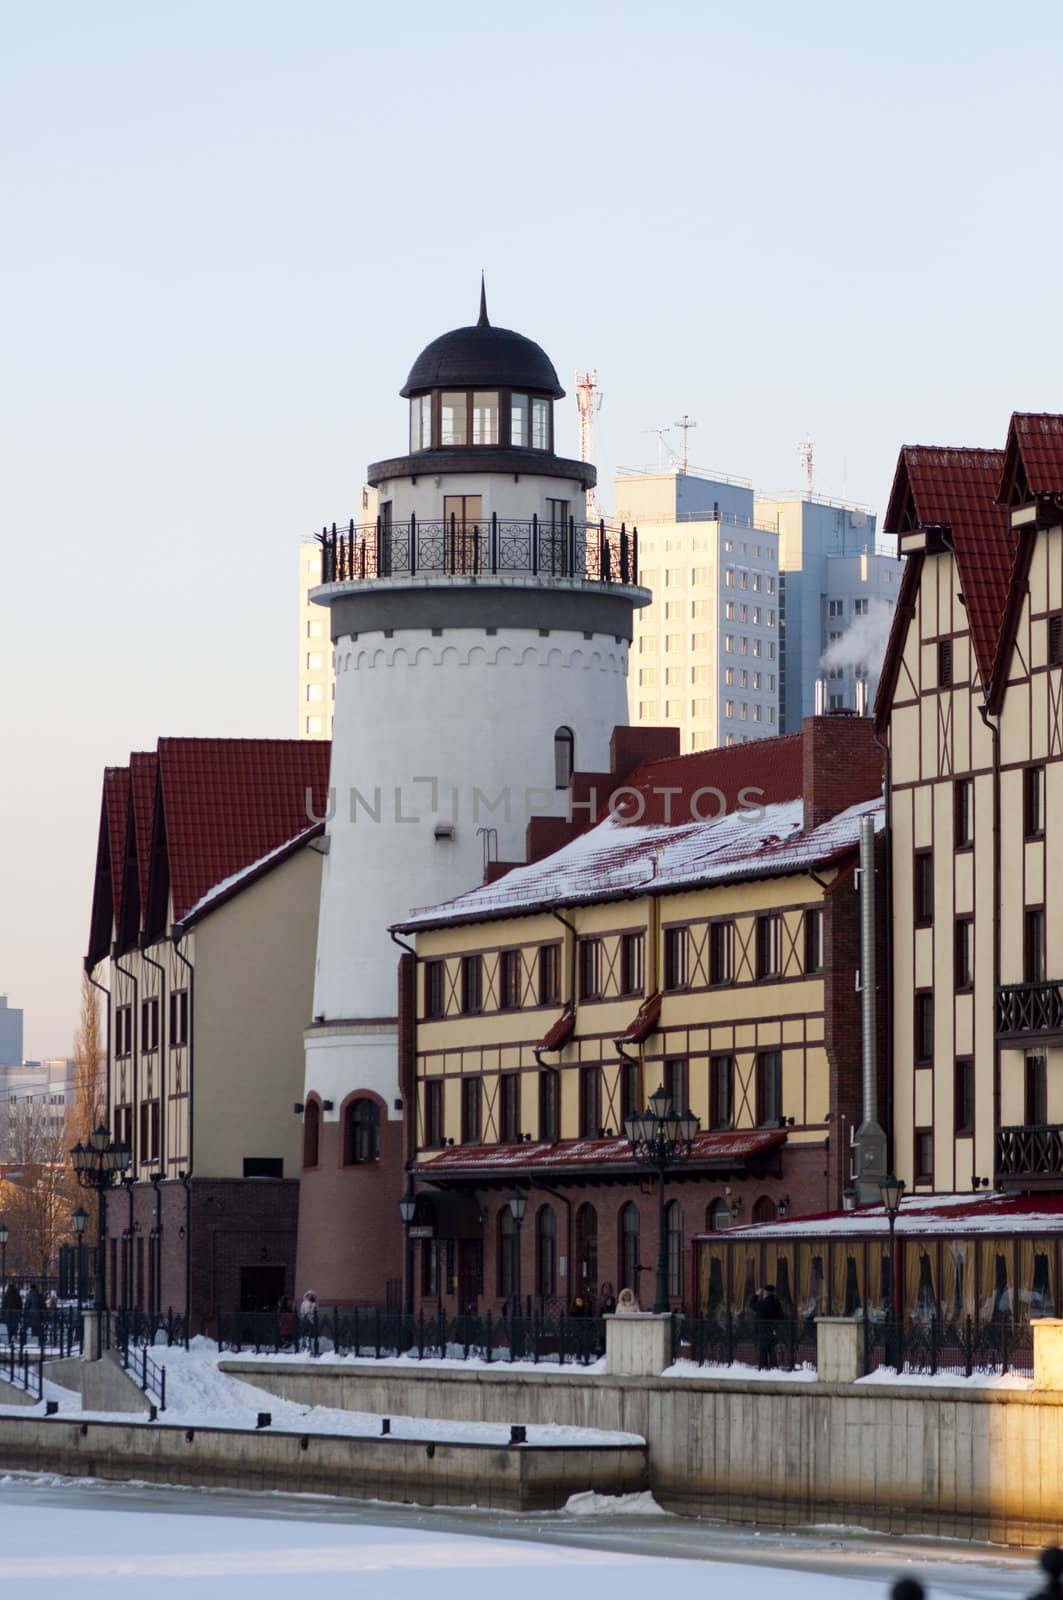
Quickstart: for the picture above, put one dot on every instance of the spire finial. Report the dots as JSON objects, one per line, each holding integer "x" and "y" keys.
{"x": 483, "y": 322}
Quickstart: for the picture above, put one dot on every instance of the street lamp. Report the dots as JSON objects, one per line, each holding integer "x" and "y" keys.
{"x": 3, "y": 1252}
{"x": 662, "y": 1137}
{"x": 99, "y": 1164}
{"x": 518, "y": 1204}
{"x": 892, "y": 1191}
{"x": 407, "y": 1211}
{"x": 79, "y": 1219}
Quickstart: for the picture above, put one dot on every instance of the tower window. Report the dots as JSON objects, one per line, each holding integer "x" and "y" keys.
{"x": 484, "y": 418}
{"x": 564, "y": 757}
{"x": 540, "y": 429}
{"x": 421, "y": 422}
{"x": 453, "y": 418}
{"x": 518, "y": 420}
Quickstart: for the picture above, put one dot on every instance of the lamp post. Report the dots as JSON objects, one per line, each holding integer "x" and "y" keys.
{"x": 407, "y": 1211}
{"x": 99, "y": 1165}
{"x": 518, "y": 1204}
{"x": 3, "y": 1253}
{"x": 79, "y": 1219}
{"x": 661, "y": 1136}
{"x": 892, "y": 1191}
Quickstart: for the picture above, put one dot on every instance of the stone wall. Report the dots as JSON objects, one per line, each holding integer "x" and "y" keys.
{"x": 979, "y": 1464}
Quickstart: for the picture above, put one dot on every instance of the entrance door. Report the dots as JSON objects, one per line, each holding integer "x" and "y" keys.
{"x": 470, "y": 1275}
{"x": 261, "y": 1288}
{"x": 462, "y": 532}
{"x": 586, "y": 1275}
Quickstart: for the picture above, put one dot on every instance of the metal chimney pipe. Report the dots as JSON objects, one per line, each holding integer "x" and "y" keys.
{"x": 821, "y": 697}
{"x": 861, "y": 697}
{"x": 867, "y": 969}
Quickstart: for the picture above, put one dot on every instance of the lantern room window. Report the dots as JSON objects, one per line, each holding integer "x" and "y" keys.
{"x": 421, "y": 422}
{"x": 453, "y": 418}
{"x": 540, "y": 430}
{"x": 518, "y": 420}
{"x": 484, "y": 418}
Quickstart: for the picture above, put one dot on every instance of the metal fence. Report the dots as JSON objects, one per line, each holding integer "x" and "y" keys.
{"x": 151, "y": 1375}
{"x": 962, "y": 1347}
{"x": 382, "y": 1334}
{"x": 24, "y": 1369}
{"x": 746, "y": 1339}
{"x": 149, "y": 1327}
{"x": 595, "y": 551}
{"x": 55, "y": 1333}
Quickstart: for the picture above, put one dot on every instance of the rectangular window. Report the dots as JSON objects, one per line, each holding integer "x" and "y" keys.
{"x": 149, "y": 1130}
{"x": 590, "y": 1102}
{"x": 859, "y": 608}
{"x": 453, "y": 418}
{"x": 590, "y": 969}
{"x": 924, "y": 1027}
{"x": 963, "y": 952}
{"x": 721, "y": 1091}
{"x": 813, "y": 941}
{"x": 540, "y": 424}
{"x": 672, "y": 611}
{"x": 1036, "y": 1091}
{"x": 721, "y": 952}
{"x": 433, "y": 1112}
{"x": 434, "y": 995}
{"x": 630, "y": 1090}
{"x": 675, "y": 958}
{"x": 471, "y": 1110}
{"x": 961, "y": 814}
{"x": 673, "y": 644}
{"x": 178, "y": 1017}
{"x": 1034, "y": 963}
{"x": 769, "y": 1088}
{"x": 509, "y": 979}
{"x": 647, "y": 677}
{"x": 518, "y": 420}
{"x": 769, "y": 946}
{"x": 1055, "y": 639}
{"x": 632, "y": 963}
{"x": 924, "y": 1155}
{"x": 509, "y": 1107}
{"x": 835, "y": 608}
{"x": 924, "y": 886}
{"x": 549, "y": 1106}
{"x": 699, "y": 708}
{"x": 677, "y": 1082}
{"x": 149, "y": 1024}
{"x": 944, "y": 663}
{"x": 421, "y": 422}
{"x": 484, "y": 418}
{"x": 963, "y": 1098}
{"x": 123, "y": 1031}
{"x": 472, "y": 984}
{"x": 1033, "y": 802}
{"x": 699, "y": 641}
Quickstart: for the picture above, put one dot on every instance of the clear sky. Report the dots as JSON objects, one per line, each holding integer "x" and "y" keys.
{"x": 227, "y": 228}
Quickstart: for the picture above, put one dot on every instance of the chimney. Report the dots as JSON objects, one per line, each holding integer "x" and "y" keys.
{"x": 821, "y": 697}
{"x": 841, "y": 765}
{"x": 861, "y": 697}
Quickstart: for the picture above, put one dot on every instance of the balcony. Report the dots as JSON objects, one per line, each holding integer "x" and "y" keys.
{"x": 1030, "y": 1156}
{"x": 1030, "y": 1013}
{"x": 593, "y": 552}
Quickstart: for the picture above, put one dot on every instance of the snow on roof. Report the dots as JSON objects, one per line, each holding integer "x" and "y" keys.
{"x": 254, "y": 869}
{"x": 930, "y": 1214}
{"x": 714, "y": 1146}
{"x": 618, "y": 859}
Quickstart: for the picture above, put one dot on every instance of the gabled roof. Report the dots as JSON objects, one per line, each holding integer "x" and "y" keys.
{"x": 143, "y": 771}
{"x": 954, "y": 491}
{"x": 110, "y": 854}
{"x": 1033, "y": 458}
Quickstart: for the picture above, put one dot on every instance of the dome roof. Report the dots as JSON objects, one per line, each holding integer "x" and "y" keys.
{"x": 482, "y": 357}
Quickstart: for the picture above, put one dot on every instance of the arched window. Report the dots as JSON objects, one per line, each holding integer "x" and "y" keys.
{"x": 674, "y": 1232}
{"x": 311, "y": 1133}
{"x": 546, "y": 1253}
{"x": 765, "y": 1210}
{"x": 718, "y": 1216}
{"x": 630, "y": 1247}
{"x": 586, "y": 1273}
{"x": 361, "y": 1133}
{"x": 564, "y": 757}
{"x": 507, "y": 1248}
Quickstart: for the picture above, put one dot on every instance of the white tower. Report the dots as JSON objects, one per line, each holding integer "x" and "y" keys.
{"x": 481, "y": 631}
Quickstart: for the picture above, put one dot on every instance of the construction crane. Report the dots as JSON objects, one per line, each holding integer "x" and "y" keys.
{"x": 806, "y": 452}
{"x": 685, "y": 424}
{"x": 588, "y": 404}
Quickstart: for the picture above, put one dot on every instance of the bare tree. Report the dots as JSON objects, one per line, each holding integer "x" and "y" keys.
{"x": 90, "y": 1064}
{"x": 40, "y": 1194}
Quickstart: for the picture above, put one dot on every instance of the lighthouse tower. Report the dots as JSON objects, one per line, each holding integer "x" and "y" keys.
{"x": 481, "y": 631}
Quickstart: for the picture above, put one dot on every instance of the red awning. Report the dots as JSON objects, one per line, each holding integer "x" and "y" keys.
{"x": 722, "y": 1150}
{"x": 560, "y": 1032}
{"x": 646, "y": 1019}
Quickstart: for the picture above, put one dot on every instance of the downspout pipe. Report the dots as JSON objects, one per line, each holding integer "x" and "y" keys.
{"x": 161, "y": 970}
{"x": 994, "y": 733}
{"x": 870, "y": 1138}
{"x": 176, "y": 936}
{"x": 135, "y": 1025}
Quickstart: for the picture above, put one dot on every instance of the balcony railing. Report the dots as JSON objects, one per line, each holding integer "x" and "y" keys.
{"x": 1030, "y": 1156}
{"x": 593, "y": 551}
{"x": 1032, "y": 1012}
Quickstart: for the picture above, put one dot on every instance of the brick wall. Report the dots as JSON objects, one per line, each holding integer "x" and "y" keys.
{"x": 841, "y": 765}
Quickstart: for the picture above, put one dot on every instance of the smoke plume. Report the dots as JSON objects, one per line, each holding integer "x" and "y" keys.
{"x": 863, "y": 644}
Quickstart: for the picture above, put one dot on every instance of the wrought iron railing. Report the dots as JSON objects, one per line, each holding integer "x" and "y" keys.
{"x": 58, "y": 1333}
{"x": 723, "y": 1340}
{"x": 1030, "y": 1150}
{"x": 382, "y": 1334}
{"x": 962, "y": 1346}
{"x": 149, "y": 1374}
{"x": 594, "y": 551}
{"x": 23, "y": 1369}
{"x": 145, "y": 1327}
{"x": 1029, "y": 1010}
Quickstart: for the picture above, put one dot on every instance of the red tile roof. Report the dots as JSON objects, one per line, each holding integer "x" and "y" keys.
{"x": 956, "y": 489}
{"x": 143, "y": 767}
{"x": 1033, "y": 457}
{"x": 229, "y": 802}
{"x": 716, "y": 1150}
{"x": 116, "y": 805}
{"x": 772, "y": 767}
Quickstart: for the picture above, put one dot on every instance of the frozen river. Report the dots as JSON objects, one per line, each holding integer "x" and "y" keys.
{"x": 109, "y": 1537}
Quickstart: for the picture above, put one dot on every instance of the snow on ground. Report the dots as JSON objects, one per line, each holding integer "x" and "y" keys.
{"x": 109, "y": 1553}
{"x": 456, "y": 1362}
{"x": 592, "y": 1504}
{"x": 738, "y": 1371}
{"x": 948, "y": 1380}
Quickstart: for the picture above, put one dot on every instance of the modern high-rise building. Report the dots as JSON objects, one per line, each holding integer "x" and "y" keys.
{"x": 706, "y": 651}
{"x": 838, "y": 591}
{"x": 317, "y": 675}
{"x": 36, "y": 1099}
{"x": 10, "y": 1034}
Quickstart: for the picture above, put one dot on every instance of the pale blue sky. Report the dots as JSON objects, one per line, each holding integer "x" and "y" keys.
{"x": 227, "y": 229}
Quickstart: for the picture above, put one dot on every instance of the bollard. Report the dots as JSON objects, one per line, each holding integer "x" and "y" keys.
{"x": 265, "y": 1418}
{"x": 153, "y": 1413}
{"x": 518, "y": 1433}
{"x": 51, "y": 1407}
{"x": 1051, "y": 1561}
{"x": 385, "y": 1425}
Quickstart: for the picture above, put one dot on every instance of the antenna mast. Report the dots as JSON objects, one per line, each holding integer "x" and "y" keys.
{"x": 588, "y": 404}
{"x": 806, "y": 452}
{"x": 685, "y": 424}
{"x": 662, "y": 435}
